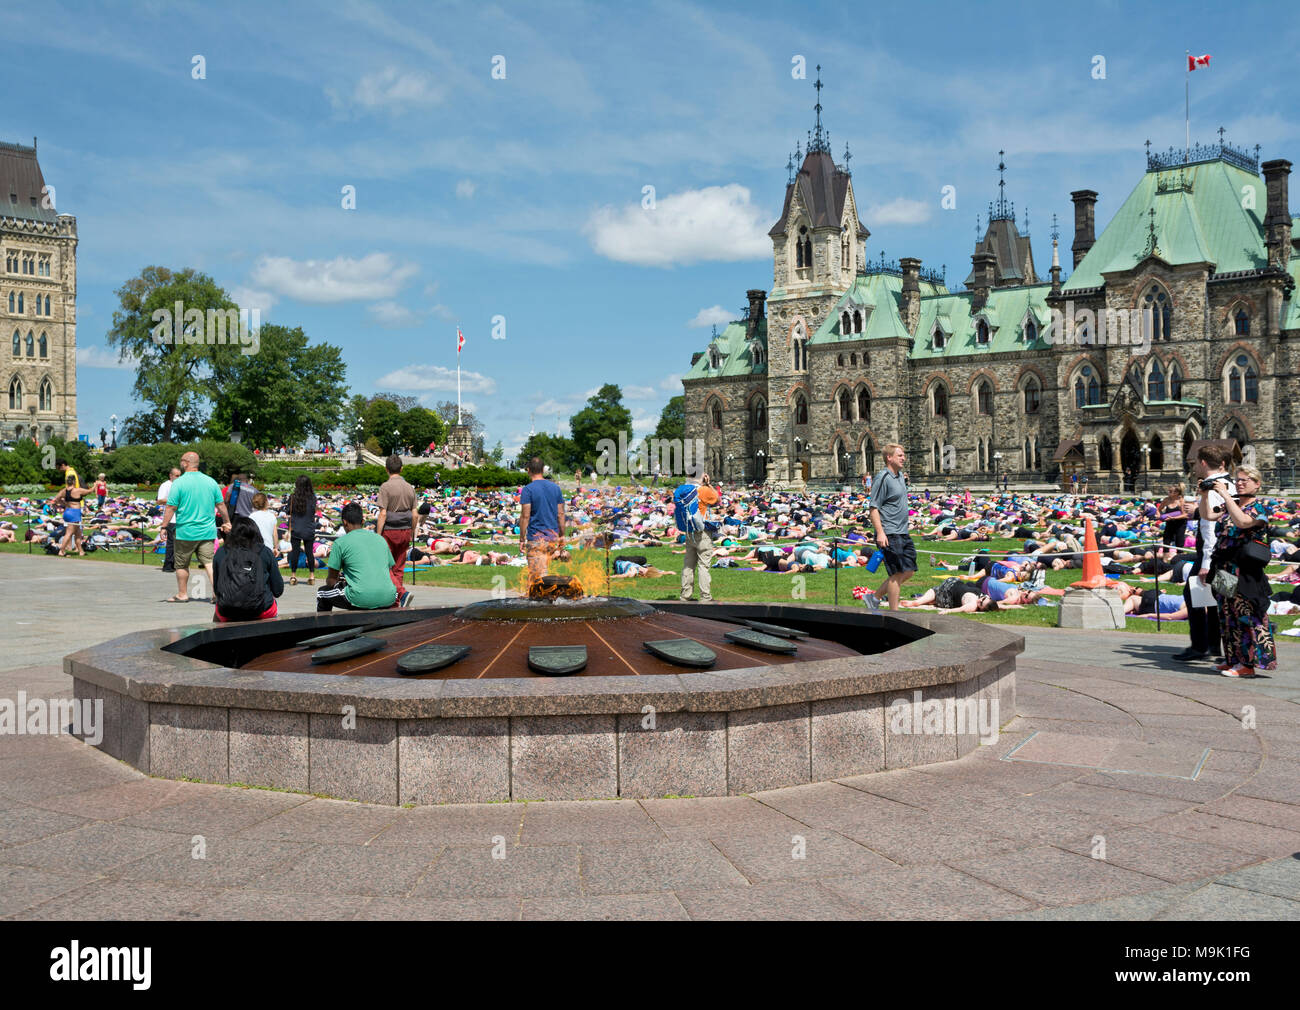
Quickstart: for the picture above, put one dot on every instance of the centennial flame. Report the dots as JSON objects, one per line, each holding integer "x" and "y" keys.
{"x": 570, "y": 576}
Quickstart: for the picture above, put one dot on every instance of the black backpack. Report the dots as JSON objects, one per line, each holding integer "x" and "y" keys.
{"x": 239, "y": 579}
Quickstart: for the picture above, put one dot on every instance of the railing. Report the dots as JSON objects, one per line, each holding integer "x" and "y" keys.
{"x": 1175, "y": 157}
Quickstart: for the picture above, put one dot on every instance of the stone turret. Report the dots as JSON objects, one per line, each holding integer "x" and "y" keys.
{"x": 909, "y": 305}
{"x": 1085, "y": 223}
{"x": 1277, "y": 220}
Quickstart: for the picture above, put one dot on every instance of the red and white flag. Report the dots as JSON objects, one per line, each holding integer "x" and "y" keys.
{"x": 460, "y": 340}
{"x": 1197, "y": 61}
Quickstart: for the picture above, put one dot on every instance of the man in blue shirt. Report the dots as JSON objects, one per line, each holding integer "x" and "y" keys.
{"x": 541, "y": 520}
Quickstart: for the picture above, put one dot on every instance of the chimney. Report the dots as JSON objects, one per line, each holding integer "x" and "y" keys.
{"x": 1056, "y": 268}
{"x": 1085, "y": 222}
{"x": 909, "y": 305}
{"x": 1277, "y": 221}
{"x": 757, "y": 296}
{"x": 983, "y": 264}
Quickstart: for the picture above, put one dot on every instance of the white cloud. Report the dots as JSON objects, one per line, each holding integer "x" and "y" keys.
{"x": 251, "y": 298}
{"x": 696, "y": 225}
{"x": 394, "y": 316}
{"x": 444, "y": 313}
{"x": 714, "y": 315}
{"x": 899, "y": 211}
{"x": 465, "y": 189}
{"x": 338, "y": 280}
{"x": 391, "y": 89}
{"x": 102, "y": 357}
{"x": 672, "y": 384}
{"x": 640, "y": 392}
{"x": 435, "y": 377}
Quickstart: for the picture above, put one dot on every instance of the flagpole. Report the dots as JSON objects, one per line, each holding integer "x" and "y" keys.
{"x": 457, "y": 374}
{"x": 1187, "y": 108}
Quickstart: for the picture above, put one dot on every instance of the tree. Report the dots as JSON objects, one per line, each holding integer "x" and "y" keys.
{"x": 287, "y": 391}
{"x": 403, "y": 403}
{"x": 145, "y": 427}
{"x": 381, "y": 419}
{"x": 498, "y": 451}
{"x": 557, "y": 452}
{"x": 446, "y": 409}
{"x": 603, "y": 417}
{"x": 672, "y": 421}
{"x": 172, "y": 370}
{"x": 352, "y": 420}
{"x": 420, "y": 426}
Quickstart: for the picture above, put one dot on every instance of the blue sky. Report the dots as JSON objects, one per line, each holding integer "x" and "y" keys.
{"x": 522, "y": 197}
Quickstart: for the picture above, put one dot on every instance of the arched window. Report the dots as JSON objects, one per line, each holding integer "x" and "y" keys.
{"x": 1252, "y": 382}
{"x": 43, "y": 346}
{"x": 938, "y": 338}
{"x": 984, "y": 398}
{"x": 1234, "y": 381}
{"x": 1094, "y": 391}
{"x": 839, "y": 360}
{"x": 1155, "y": 383}
{"x": 979, "y": 453}
{"x": 1175, "y": 382}
{"x": 853, "y": 360}
{"x": 31, "y": 344}
{"x": 1157, "y": 456}
{"x": 1029, "y": 454}
{"x": 800, "y": 343}
{"x": 1241, "y": 322}
{"x": 1105, "y": 454}
{"x": 1038, "y": 453}
{"x": 46, "y": 395}
{"x": 20, "y": 303}
{"x": 857, "y": 320}
{"x": 1031, "y": 332}
{"x": 760, "y": 414}
{"x": 837, "y": 451}
{"x": 715, "y": 361}
{"x": 1158, "y": 311}
{"x": 940, "y": 400}
{"x": 981, "y": 332}
{"x": 1033, "y": 396}
{"x": 864, "y": 404}
{"x": 1080, "y": 393}
{"x": 846, "y": 405}
{"x": 846, "y": 325}
{"x": 715, "y": 415}
{"x": 11, "y": 301}
{"x": 800, "y": 409}
{"x": 799, "y": 260}
{"x": 16, "y": 393}
{"x": 47, "y": 305}
{"x": 18, "y": 344}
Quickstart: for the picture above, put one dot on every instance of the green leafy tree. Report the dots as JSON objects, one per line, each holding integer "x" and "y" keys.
{"x": 353, "y": 419}
{"x": 287, "y": 391}
{"x": 497, "y": 453}
{"x": 672, "y": 421}
{"x": 146, "y": 427}
{"x": 420, "y": 426}
{"x": 446, "y": 409}
{"x": 559, "y": 453}
{"x": 603, "y": 417}
{"x": 382, "y": 418}
{"x": 171, "y": 374}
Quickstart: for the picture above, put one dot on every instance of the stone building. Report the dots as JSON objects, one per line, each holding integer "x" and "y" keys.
{"x": 38, "y": 304}
{"x": 1177, "y": 324}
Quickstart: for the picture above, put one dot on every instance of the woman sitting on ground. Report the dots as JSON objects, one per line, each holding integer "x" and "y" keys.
{"x": 245, "y": 577}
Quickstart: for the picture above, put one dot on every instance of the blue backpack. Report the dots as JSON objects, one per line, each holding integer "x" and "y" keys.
{"x": 686, "y": 510}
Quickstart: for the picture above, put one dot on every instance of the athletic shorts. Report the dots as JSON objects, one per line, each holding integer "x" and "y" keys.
{"x": 186, "y": 549}
{"x": 900, "y": 555}
{"x": 72, "y": 515}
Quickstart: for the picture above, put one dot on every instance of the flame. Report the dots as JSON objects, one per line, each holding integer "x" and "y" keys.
{"x": 585, "y": 567}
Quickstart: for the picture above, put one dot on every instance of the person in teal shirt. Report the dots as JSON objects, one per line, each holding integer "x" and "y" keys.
{"x": 193, "y": 503}
{"x": 359, "y": 566}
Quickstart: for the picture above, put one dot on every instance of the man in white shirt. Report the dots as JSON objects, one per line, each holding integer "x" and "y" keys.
{"x": 164, "y": 489}
{"x": 1203, "y": 622}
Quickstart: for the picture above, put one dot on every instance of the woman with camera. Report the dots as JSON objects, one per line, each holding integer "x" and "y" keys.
{"x": 1237, "y": 576}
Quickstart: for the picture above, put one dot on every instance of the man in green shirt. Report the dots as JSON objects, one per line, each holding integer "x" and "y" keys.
{"x": 193, "y": 503}
{"x": 359, "y": 569}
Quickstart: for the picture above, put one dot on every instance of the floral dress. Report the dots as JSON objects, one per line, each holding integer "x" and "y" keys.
{"x": 1243, "y": 617}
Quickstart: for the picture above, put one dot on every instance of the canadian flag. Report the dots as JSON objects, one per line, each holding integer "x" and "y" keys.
{"x": 460, "y": 340}
{"x": 1197, "y": 61}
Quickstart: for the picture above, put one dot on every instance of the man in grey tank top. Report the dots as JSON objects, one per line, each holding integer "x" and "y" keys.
{"x": 889, "y": 517}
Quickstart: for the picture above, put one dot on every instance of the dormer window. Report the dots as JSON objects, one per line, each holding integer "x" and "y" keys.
{"x": 715, "y": 360}
{"x": 1031, "y": 332}
{"x": 938, "y": 338}
{"x": 981, "y": 332}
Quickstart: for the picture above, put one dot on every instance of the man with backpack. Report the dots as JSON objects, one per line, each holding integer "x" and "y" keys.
{"x": 239, "y": 495}
{"x": 246, "y": 579}
{"x": 690, "y": 513}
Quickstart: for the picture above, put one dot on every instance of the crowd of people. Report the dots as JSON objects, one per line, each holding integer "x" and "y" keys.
{"x": 1212, "y": 538}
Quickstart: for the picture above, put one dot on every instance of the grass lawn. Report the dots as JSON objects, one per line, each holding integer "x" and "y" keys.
{"x": 728, "y": 584}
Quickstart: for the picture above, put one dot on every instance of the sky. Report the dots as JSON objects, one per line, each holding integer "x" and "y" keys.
{"x": 499, "y": 157}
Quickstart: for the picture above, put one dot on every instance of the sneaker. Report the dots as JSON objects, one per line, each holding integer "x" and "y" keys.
{"x": 1239, "y": 671}
{"x": 1223, "y": 666}
{"x": 406, "y": 598}
{"x": 1190, "y": 656}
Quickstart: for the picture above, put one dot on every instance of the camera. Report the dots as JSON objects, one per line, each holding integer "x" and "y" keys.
{"x": 1208, "y": 483}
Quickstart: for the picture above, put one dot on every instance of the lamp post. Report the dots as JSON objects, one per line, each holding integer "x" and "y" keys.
{"x": 731, "y": 477}
{"x": 397, "y": 434}
{"x": 1146, "y": 468}
{"x": 761, "y": 476}
{"x": 846, "y": 460}
{"x": 113, "y": 419}
{"x": 1279, "y": 456}
{"x": 997, "y": 459}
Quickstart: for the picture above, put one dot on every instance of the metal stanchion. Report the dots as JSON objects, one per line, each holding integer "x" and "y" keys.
{"x": 835, "y": 562}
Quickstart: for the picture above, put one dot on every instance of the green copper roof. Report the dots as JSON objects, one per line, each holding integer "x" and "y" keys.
{"x": 877, "y": 296}
{"x": 1005, "y": 312}
{"x": 1199, "y": 217}
{"x": 735, "y": 354}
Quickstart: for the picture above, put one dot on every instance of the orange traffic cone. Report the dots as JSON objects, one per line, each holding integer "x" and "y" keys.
{"x": 1093, "y": 577}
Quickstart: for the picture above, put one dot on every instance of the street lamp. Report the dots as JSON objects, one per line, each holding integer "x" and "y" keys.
{"x": 113, "y": 418}
{"x": 846, "y": 459}
{"x": 761, "y": 476}
{"x": 1146, "y": 469}
{"x": 997, "y": 459}
{"x": 731, "y": 476}
{"x": 397, "y": 434}
{"x": 1279, "y": 456}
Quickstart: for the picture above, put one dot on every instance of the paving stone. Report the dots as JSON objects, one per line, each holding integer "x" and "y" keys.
{"x": 615, "y": 868}
{"x": 1227, "y": 832}
{"x": 261, "y": 906}
{"x": 806, "y": 853}
{"x": 1280, "y": 877}
{"x": 353, "y": 869}
{"x": 1120, "y": 804}
{"x": 1053, "y": 877}
{"x": 217, "y": 813}
{"x": 709, "y": 815}
{"x": 21, "y": 824}
{"x": 1157, "y": 854}
{"x": 329, "y": 822}
{"x": 123, "y": 799}
{"x": 468, "y": 824}
{"x": 91, "y": 848}
{"x": 22, "y": 887}
{"x": 931, "y": 892}
{"x": 1216, "y": 903}
{"x": 440, "y": 910}
{"x": 829, "y": 804}
{"x": 803, "y": 901}
{"x": 224, "y": 861}
{"x": 1257, "y": 811}
{"x": 525, "y": 871}
{"x": 593, "y": 821}
{"x": 659, "y": 907}
{"x": 122, "y": 900}
{"x": 1135, "y": 908}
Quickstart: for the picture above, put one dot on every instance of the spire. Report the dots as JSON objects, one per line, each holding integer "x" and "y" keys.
{"x": 819, "y": 140}
{"x": 1056, "y": 257}
{"x": 847, "y": 158}
{"x": 789, "y": 169}
{"x": 1004, "y": 211}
